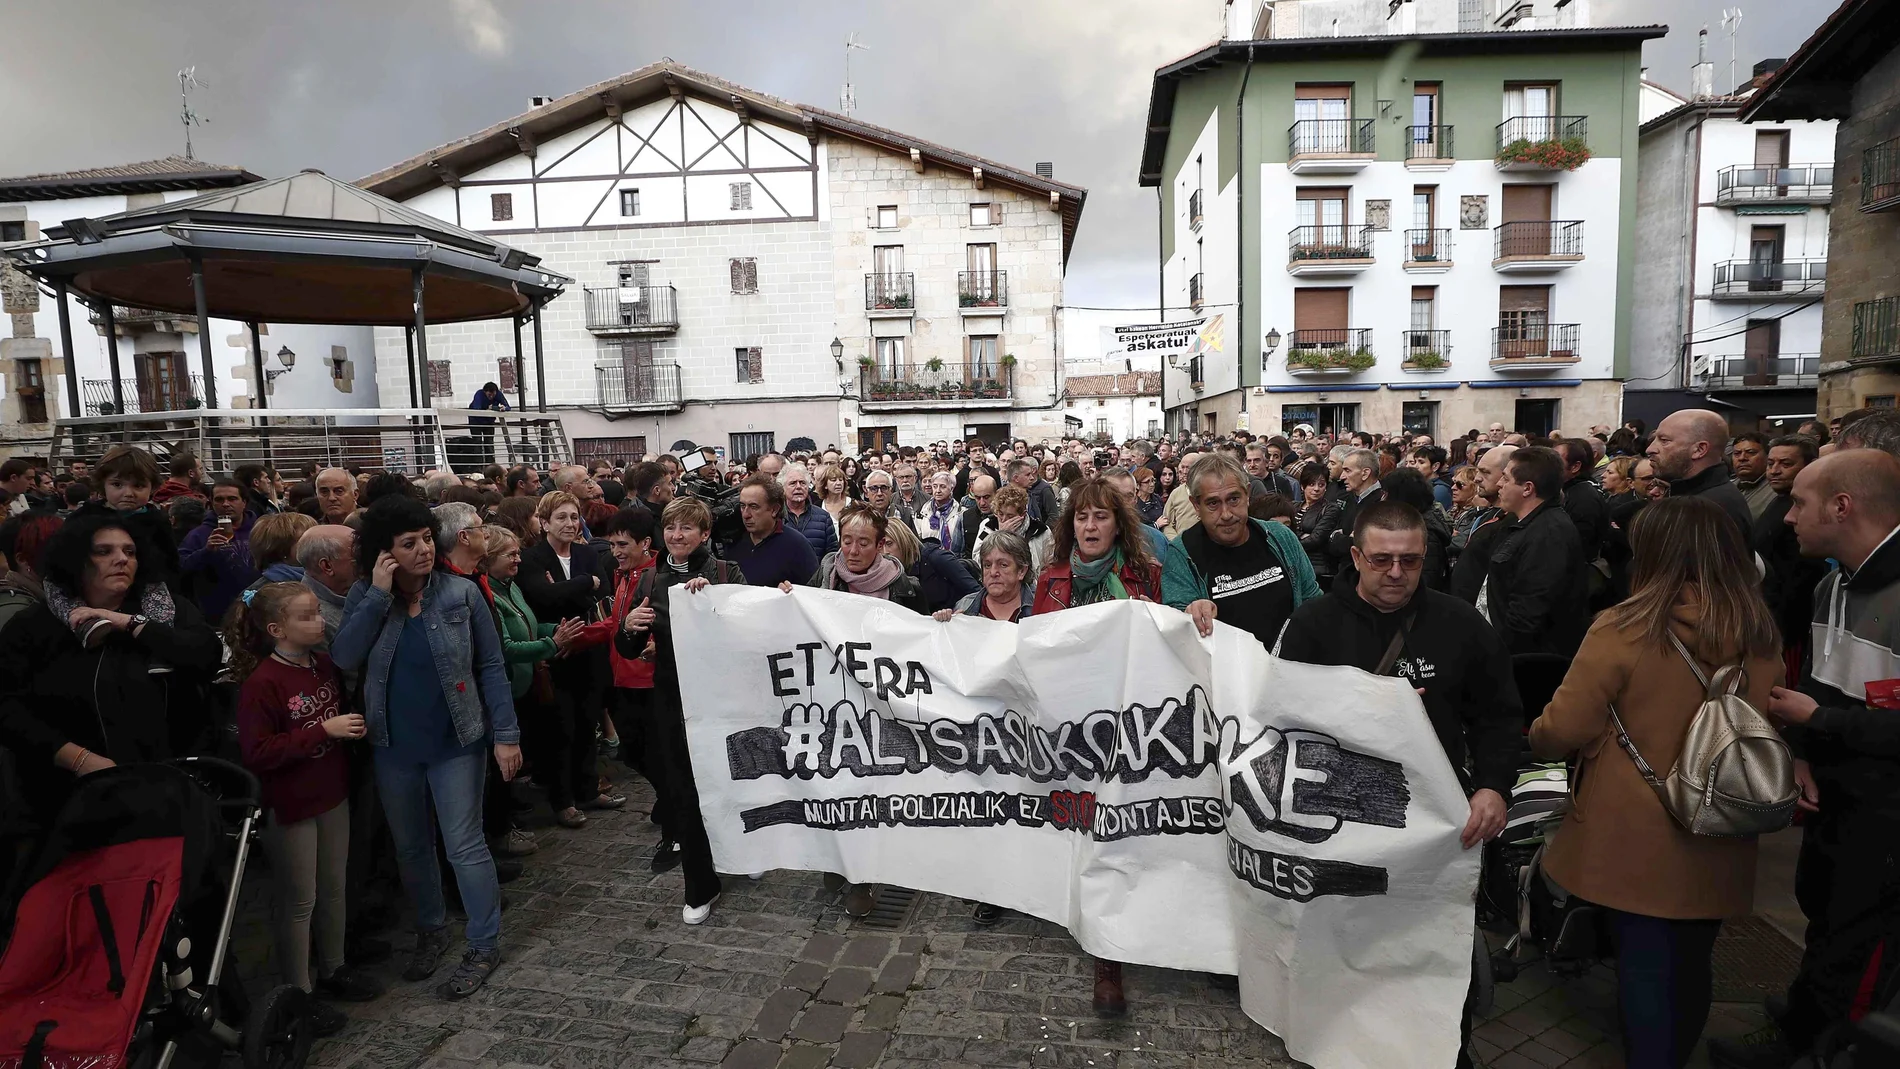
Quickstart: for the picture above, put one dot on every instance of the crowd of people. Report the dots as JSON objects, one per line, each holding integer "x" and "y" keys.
{"x": 413, "y": 665}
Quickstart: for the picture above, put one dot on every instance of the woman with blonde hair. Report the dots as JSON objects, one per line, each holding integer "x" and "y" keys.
{"x": 1695, "y": 607}
{"x": 833, "y": 488}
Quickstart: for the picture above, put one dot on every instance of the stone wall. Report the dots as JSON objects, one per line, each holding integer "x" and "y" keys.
{"x": 1861, "y": 265}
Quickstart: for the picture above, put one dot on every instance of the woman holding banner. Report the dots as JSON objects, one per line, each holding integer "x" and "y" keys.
{"x": 689, "y": 563}
{"x": 1100, "y": 554}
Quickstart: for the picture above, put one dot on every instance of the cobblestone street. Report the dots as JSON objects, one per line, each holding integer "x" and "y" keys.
{"x": 601, "y": 972}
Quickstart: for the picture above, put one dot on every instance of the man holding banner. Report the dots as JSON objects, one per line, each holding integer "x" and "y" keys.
{"x": 1387, "y": 623}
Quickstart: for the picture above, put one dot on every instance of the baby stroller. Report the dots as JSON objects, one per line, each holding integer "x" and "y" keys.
{"x": 1514, "y": 894}
{"x": 116, "y": 930}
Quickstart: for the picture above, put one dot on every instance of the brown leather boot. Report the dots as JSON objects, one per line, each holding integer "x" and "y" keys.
{"x": 1109, "y": 1001}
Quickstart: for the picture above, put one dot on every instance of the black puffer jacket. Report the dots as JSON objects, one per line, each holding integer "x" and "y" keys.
{"x": 1538, "y": 594}
{"x": 108, "y": 699}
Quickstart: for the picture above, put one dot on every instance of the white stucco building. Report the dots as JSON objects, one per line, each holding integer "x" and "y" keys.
{"x": 1731, "y": 257}
{"x": 160, "y": 362}
{"x": 722, "y": 240}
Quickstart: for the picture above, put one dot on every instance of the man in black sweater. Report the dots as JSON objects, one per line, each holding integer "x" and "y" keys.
{"x": 1536, "y": 592}
{"x": 1388, "y": 624}
{"x": 1788, "y": 583}
{"x": 1583, "y": 499}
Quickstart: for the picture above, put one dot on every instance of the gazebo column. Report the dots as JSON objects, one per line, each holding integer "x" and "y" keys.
{"x": 257, "y": 367}
{"x": 409, "y": 351}
{"x": 112, "y": 357}
{"x": 204, "y": 333}
{"x": 66, "y": 350}
{"x": 540, "y": 366}
{"x": 521, "y": 370}
{"x": 422, "y": 343}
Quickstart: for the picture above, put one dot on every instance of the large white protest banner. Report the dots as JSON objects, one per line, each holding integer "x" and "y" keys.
{"x": 1174, "y": 801}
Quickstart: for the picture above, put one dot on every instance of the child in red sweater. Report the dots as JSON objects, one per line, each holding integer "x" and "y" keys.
{"x": 290, "y": 725}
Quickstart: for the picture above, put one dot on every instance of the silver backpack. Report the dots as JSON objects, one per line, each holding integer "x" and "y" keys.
{"x": 1735, "y": 776}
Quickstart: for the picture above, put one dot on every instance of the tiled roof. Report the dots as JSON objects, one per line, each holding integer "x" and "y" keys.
{"x": 1132, "y": 383}
{"x": 144, "y": 176}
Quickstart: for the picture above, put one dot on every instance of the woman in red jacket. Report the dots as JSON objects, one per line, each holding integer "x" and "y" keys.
{"x": 1100, "y": 554}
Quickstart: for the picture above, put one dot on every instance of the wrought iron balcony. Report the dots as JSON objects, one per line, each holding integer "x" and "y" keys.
{"x": 1769, "y": 279}
{"x": 179, "y": 394}
{"x": 1195, "y": 296}
{"x": 1194, "y": 209}
{"x": 1880, "y": 177}
{"x": 1534, "y": 344}
{"x": 1543, "y": 142}
{"x": 1323, "y": 351}
{"x": 649, "y": 309}
{"x": 1427, "y": 250}
{"x": 936, "y": 384}
{"x": 1427, "y": 143}
{"x": 638, "y": 387}
{"x": 890, "y": 292}
{"x": 1329, "y": 145}
{"x": 1426, "y": 350}
{"x": 982, "y": 292}
{"x": 1803, "y": 183}
{"x": 1329, "y": 249}
{"x": 1538, "y": 245}
{"x": 1781, "y": 371}
{"x": 1876, "y": 329}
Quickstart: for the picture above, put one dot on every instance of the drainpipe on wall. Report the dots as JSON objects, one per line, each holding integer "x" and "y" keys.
{"x": 1240, "y": 232}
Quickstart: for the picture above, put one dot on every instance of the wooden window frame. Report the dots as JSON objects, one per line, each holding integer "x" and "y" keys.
{"x": 745, "y": 274}
{"x": 741, "y": 196}
{"x": 501, "y": 207}
{"x": 629, "y": 198}
{"x": 877, "y": 217}
{"x": 749, "y": 364}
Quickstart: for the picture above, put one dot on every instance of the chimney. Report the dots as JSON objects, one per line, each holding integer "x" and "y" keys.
{"x": 536, "y": 102}
{"x": 1046, "y": 171}
{"x": 1702, "y": 75}
{"x": 1764, "y": 69}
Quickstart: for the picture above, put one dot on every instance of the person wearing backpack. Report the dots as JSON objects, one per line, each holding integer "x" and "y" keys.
{"x": 1665, "y": 889}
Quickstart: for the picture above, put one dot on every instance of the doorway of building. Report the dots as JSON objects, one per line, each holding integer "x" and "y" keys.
{"x": 1536, "y": 416}
{"x": 876, "y": 438}
{"x": 994, "y": 435}
{"x": 1324, "y": 419}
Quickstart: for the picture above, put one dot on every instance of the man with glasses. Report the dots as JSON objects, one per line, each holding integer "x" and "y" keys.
{"x": 1389, "y": 624}
{"x": 880, "y": 494}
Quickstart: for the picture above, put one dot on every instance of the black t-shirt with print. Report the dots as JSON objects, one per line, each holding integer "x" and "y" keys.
{"x": 1247, "y": 583}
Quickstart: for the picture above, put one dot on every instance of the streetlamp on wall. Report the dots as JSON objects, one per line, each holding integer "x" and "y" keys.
{"x": 1270, "y": 343}
{"x": 284, "y": 357}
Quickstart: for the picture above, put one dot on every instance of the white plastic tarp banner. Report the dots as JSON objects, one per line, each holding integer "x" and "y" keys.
{"x": 1173, "y": 801}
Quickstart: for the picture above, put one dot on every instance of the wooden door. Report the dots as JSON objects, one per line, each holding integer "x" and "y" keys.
{"x": 1528, "y": 205}
{"x": 1523, "y": 321}
{"x": 1764, "y": 258}
{"x": 637, "y": 373}
{"x": 1761, "y": 346}
{"x": 1771, "y": 156}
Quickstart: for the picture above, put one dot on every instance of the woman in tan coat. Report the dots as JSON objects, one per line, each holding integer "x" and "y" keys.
{"x": 1665, "y": 890}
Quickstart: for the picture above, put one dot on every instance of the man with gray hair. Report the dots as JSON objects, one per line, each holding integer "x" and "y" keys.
{"x": 1879, "y": 429}
{"x": 325, "y": 553}
{"x": 336, "y": 495}
{"x": 1359, "y": 471}
{"x": 574, "y": 479}
{"x": 459, "y": 546}
{"x": 804, "y": 514}
{"x": 1689, "y": 450}
{"x": 909, "y": 494}
{"x": 436, "y": 482}
{"x": 879, "y": 494}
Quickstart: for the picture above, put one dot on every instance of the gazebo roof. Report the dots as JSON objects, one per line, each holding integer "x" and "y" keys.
{"x": 306, "y": 248}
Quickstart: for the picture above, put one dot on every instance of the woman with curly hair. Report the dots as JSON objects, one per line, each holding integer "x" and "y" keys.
{"x": 435, "y": 696}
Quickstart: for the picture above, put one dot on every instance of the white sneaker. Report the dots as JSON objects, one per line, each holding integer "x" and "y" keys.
{"x": 696, "y": 914}
{"x": 755, "y": 877}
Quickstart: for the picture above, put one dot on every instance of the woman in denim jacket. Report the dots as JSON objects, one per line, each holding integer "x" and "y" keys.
{"x": 435, "y": 693}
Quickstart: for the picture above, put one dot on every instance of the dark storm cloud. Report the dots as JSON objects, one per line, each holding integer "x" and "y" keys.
{"x": 352, "y": 86}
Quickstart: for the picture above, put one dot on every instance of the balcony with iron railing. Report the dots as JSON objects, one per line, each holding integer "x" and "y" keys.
{"x": 1195, "y": 296}
{"x": 1343, "y": 350}
{"x": 982, "y": 293}
{"x": 1425, "y": 350}
{"x": 124, "y": 317}
{"x": 179, "y": 394}
{"x": 1194, "y": 210}
{"x": 1769, "y": 280}
{"x": 638, "y": 387}
{"x": 649, "y": 309}
{"x": 1329, "y": 146}
{"x": 936, "y": 384}
{"x": 1803, "y": 183}
{"x": 1778, "y": 372}
{"x": 1876, "y": 330}
{"x": 1428, "y": 250}
{"x": 890, "y": 294}
{"x": 1880, "y": 177}
{"x": 1328, "y": 250}
{"x": 1537, "y": 246}
{"x": 1543, "y": 143}
{"x": 1533, "y": 345}
{"x": 1428, "y": 148}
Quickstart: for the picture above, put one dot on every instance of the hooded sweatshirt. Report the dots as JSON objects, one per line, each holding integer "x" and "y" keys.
{"x": 1853, "y": 739}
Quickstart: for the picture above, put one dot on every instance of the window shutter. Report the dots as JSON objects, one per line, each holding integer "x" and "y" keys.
{"x": 755, "y": 364}
{"x": 738, "y": 276}
{"x": 507, "y": 379}
{"x": 752, "y": 276}
{"x": 441, "y": 380}
{"x": 996, "y": 213}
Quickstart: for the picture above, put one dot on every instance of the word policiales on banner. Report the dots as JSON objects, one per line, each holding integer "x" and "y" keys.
{"x": 1175, "y": 801}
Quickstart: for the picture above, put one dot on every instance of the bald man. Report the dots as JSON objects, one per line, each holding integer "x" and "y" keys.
{"x": 336, "y": 495}
{"x": 1844, "y": 726}
{"x": 1690, "y": 451}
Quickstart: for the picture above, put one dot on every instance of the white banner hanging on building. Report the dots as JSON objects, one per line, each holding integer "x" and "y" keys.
{"x": 1170, "y": 341}
{"x": 1177, "y": 802}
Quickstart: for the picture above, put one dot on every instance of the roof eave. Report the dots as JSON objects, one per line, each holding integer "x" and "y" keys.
{"x": 20, "y": 191}
{"x": 1797, "y": 89}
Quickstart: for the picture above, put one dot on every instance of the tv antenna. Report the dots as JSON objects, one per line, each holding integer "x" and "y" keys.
{"x": 848, "y": 96}
{"x": 187, "y": 81}
{"x": 1732, "y": 22}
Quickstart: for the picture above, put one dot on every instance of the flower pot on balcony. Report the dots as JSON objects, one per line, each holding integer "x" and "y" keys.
{"x": 1424, "y": 360}
{"x": 935, "y": 364}
{"x": 1560, "y": 154}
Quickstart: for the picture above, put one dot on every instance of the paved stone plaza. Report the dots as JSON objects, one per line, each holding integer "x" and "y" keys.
{"x": 601, "y": 973}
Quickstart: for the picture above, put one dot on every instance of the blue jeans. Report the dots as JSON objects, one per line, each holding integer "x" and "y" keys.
{"x": 455, "y": 785}
{"x": 1663, "y": 985}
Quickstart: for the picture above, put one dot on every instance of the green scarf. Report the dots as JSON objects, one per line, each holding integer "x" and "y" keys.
{"x": 1097, "y": 580}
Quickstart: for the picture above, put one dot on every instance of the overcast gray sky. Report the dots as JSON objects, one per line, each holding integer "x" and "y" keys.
{"x": 351, "y": 86}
